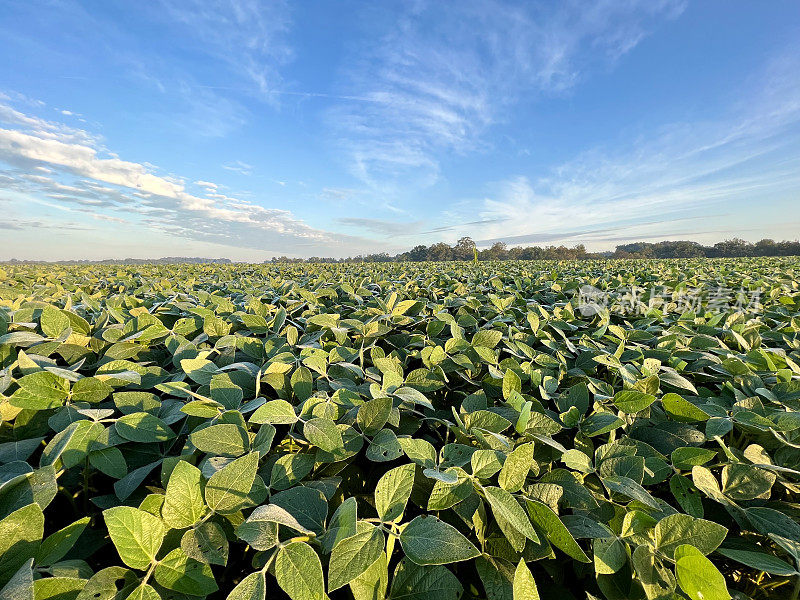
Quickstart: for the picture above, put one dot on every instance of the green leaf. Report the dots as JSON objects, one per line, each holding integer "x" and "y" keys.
{"x": 741, "y": 481}
{"x": 324, "y": 434}
{"x": 307, "y": 505}
{"x": 524, "y": 583}
{"x": 20, "y": 585}
{"x": 144, "y": 592}
{"x": 632, "y": 401}
{"x": 511, "y": 383}
{"x": 557, "y": 533}
{"x": 675, "y": 530}
{"x": 137, "y": 535}
{"x": 577, "y": 460}
{"x": 299, "y": 572}
{"x": 628, "y": 487}
{"x": 759, "y": 561}
{"x": 20, "y": 535}
{"x": 228, "y": 489}
{"x": 223, "y": 439}
{"x": 410, "y": 394}
{"x": 109, "y": 461}
{"x": 416, "y": 582}
{"x": 487, "y": 338}
{"x": 289, "y": 469}
{"x": 183, "y": 502}
{"x": 224, "y": 391}
{"x": 276, "y": 412}
{"x": 610, "y": 555}
{"x": 342, "y": 525}
{"x": 699, "y": 578}
{"x": 372, "y": 583}
{"x": 509, "y": 513}
{"x": 57, "y": 588}
{"x": 681, "y": 409}
{"x": 419, "y": 451}
{"x": 372, "y": 415}
{"x": 515, "y": 469}
{"x": 393, "y": 491}
{"x": 384, "y": 447}
{"x": 178, "y": 572}
{"x": 428, "y": 541}
{"x": 252, "y": 587}
{"x": 57, "y": 544}
{"x": 656, "y": 579}
{"x": 143, "y": 427}
{"x": 54, "y": 322}
{"x": 353, "y": 556}
{"x": 302, "y": 383}
{"x": 206, "y": 543}
{"x": 40, "y": 391}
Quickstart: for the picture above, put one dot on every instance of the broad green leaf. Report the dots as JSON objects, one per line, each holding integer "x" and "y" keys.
{"x": 252, "y": 587}
{"x": 353, "y": 556}
{"x": 675, "y": 530}
{"x": 632, "y": 401}
{"x": 760, "y": 561}
{"x": 137, "y": 535}
{"x": 417, "y": 582}
{"x": 299, "y": 572}
{"x": 428, "y": 541}
{"x": 276, "y": 412}
{"x": 393, "y": 491}
{"x": 555, "y": 531}
{"x": 143, "y": 427}
{"x": 206, "y": 543}
{"x": 40, "y": 391}
{"x": 183, "y": 503}
{"x": 57, "y": 544}
{"x": 20, "y": 584}
{"x": 699, "y": 578}
{"x": 516, "y": 467}
{"x": 227, "y": 490}
{"x": 323, "y": 434}
{"x": 223, "y": 439}
{"x": 509, "y": 513}
{"x": 178, "y": 572}
{"x": 524, "y": 583}
{"x": 20, "y": 535}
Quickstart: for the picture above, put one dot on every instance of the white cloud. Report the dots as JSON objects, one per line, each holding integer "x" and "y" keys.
{"x": 381, "y": 226}
{"x": 435, "y": 89}
{"x": 249, "y": 35}
{"x": 696, "y": 176}
{"x": 80, "y": 175}
{"x": 238, "y": 166}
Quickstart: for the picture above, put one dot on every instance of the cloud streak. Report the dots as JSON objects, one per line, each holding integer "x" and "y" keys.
{"x": 685, "y": 170}
{"x": 85, "y": 178}
{"x": 438, "y": 89}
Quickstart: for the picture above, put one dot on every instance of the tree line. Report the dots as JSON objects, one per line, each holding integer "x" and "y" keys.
{"x": 466, "y": 249}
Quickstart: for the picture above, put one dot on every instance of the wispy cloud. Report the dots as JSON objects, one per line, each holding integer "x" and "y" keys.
{"x": 248, "y": 35}
{"x": 84, "y": 177}
{"x": 381, "y": 226}
{"x": 443, "y": 74}
{"x": 237, "y": 166}
{"x": 684, "y": 171}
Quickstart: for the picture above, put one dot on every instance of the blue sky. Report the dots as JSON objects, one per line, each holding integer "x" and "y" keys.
{"x": 246, "y": 129}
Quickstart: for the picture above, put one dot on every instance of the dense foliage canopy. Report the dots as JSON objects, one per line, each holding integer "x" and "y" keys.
{"x": 521, "y": 430}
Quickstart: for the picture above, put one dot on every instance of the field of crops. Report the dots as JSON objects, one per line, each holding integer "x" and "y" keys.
{"x": 518, "y": 430}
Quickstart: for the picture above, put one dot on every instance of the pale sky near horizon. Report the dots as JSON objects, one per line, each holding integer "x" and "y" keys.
{"x": 248, "y": 128}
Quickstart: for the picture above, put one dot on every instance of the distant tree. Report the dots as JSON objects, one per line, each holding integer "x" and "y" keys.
{"x": 464, "y": 249}
{"x": 498, "y": 251}
{"x": 440, "y": 251}
{"x": 418, "y": 253}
